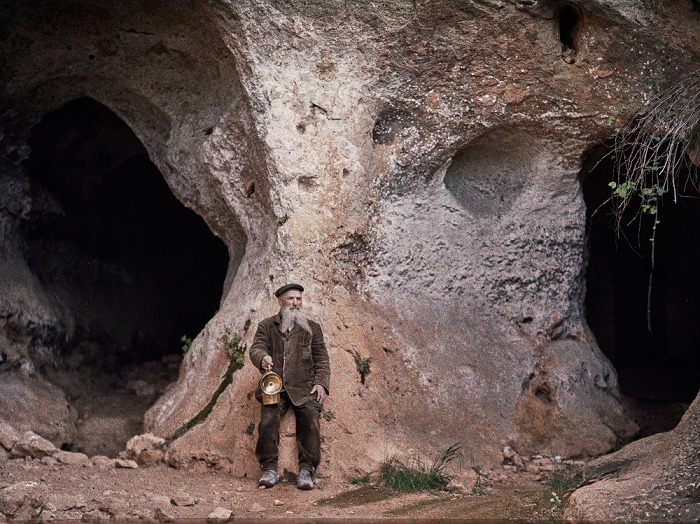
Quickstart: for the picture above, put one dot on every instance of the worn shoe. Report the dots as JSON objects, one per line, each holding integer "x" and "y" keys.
{"x": 304, "y": 479}
{"x": 269, "y": 478}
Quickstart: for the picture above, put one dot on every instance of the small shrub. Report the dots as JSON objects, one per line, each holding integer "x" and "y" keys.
{"x": 362, "y": 365}
{"x": 418, "y": 476}
{"x": 186, "y": 344}
{"x": 563, "y": 480}
{"x": 282, "y": 220}
{"x": 364, "y": 480}
{"x": 234, "y": 349}
{"x": 478, "y": 487}
{"x": 250, "y": 429}
{"x": 327, "y": 414}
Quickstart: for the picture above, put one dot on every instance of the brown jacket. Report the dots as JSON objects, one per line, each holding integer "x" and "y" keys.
{"x": 299, "y": 358}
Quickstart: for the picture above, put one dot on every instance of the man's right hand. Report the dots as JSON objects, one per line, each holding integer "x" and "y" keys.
{"x": 267, "y": 362}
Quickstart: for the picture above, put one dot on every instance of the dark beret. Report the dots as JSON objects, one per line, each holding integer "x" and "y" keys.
{"x": 281, "y": 291}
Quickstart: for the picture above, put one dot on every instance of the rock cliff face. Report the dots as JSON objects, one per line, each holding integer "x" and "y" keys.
{"x": 414, "y": 164}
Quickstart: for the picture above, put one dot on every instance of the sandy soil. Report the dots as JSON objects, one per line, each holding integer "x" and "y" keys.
{"x": 32, "y": 490}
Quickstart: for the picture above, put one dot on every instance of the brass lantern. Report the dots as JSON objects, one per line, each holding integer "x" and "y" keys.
{"x": 271, "y": 385}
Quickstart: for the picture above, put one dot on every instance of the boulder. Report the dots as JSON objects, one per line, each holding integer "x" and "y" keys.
{"x": 102, "y": 462}
{"x": 33, "y": 445}
{"x": 9, "y": 436}
{"x": 126, "y": 464}
{"x": 145, "y": 449}
{"x": 71, "y": 458}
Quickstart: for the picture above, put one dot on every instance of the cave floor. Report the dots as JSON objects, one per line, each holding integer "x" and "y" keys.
{"x": 65, "y": 492}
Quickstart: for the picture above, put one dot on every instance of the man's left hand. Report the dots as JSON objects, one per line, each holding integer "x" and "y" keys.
{"x": 320, "y": 392}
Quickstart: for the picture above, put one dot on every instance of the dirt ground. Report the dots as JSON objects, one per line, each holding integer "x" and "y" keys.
{"x": 30, "y": 490}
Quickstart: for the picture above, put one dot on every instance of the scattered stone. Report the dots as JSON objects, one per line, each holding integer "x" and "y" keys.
{"x": 33, "y": 445}
{"x": 510, "y": 456}
{"x": 126, "y": 464}
{"x": 160, "y": 500}
{"x": 95, "y": 515}
{"x": 278, "y": 503}
{"x": 219, "y": 514}
{"x": 102, "y": 462}
{"x": 145, "y": 449}
{"x": 9, "y": 436}
{"x": 44, "y": 515}
{"x": 71, "y": 458}
{"x": 65, "y": 503}
{"x": 257, "y": 508}
{"x": 48, "y": 461}
{"x": 184, "y": 499}
{"x": 162, "y": 516}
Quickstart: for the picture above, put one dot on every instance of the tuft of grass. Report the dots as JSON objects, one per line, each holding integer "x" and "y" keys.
{"x": 563, "y": 480}
{"x": 327, "y": 414}
{"x": 364, "y": 480}
{"x": 417, "y": 475}
{"x": 233, "y": 346}
{"x": 362, "y": 365}
{"x": 250, "y": 429}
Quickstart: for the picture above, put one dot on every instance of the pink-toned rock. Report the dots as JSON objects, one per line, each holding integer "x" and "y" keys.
{"x": 102, "y": 462}
{"x": 9, "y": 436}
{"x": 145, "y": 449}
{"x": 71, "y": 458}
{"x": 126, "y": 464}
{"x": 33, "y": 445}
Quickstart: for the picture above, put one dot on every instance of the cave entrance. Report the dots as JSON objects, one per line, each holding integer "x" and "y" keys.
{"x": 130, "y": 268}
{"x": 651, "y": 335}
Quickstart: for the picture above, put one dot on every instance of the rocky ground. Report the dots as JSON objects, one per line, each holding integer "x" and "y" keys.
{"x": 67, "y": 486}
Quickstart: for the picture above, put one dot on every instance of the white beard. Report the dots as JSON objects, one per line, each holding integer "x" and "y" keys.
{"x": 293, "y": 317}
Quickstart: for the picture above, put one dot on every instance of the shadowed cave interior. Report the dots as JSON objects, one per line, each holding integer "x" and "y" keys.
{"x": 650, "y": 331}
{"x": 132, "y": 270}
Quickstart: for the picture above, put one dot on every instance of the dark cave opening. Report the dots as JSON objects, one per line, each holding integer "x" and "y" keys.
{"x": 651, "y": 333}
{"x": 568, "y": 19}
{"x": 132, "y": 270}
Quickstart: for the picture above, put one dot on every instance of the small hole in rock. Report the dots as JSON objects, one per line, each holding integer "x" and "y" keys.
{"x": 568, "y": 26}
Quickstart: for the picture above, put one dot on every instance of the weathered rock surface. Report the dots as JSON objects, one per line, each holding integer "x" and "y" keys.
{"x": 71, "y": 458}
{"x": 656, "y": 478}
{"x": 220, "y": 514}
{"x": 33, "y": 445}
{"x": 414, "y": 164}
{"x": 145, "y": 449}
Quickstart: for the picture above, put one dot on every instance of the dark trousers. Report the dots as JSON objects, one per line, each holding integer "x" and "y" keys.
{"x": 308, "y": 433}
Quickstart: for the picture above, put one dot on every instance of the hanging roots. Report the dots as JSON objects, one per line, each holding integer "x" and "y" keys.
{"x": 655, "y": 145}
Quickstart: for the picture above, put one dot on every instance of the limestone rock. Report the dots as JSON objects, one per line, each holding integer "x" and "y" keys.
{"x": 220, "y": 514}
{"x": 20, "y": 500}
{"x": 102, "y": 462}
{"x": 126, "y": 464}
{"x": 33, "y": 445}
{"x": 184, "y": 499}
{"x": 418, "y": 168}
{"x": 145, "y": 449}
{"x": 510, "y": 456}
{"x": 48, "y": 461}
{"x": 9, "y": 436}
{"x": 655, "y": 478}
{"x": 163, "y": 515}
{"x": 71, "y": 458}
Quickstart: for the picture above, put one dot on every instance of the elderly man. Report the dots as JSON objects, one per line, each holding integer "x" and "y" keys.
{"x": 293, "y": 347}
